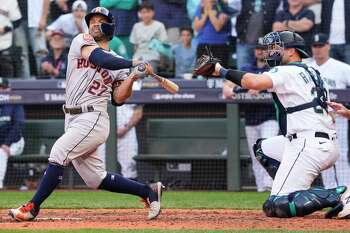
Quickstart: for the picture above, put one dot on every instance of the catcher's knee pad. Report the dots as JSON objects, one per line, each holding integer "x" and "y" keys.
{"x": 277, "y": 206}
{"x": 271, "y": 165}
{"x": 301, "y": 203}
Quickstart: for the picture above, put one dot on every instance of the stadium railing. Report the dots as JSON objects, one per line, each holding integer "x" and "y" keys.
{"x": 191, "y": 140}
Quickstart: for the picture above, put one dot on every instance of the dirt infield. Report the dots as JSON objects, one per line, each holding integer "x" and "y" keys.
{"x": 170, "y": 219}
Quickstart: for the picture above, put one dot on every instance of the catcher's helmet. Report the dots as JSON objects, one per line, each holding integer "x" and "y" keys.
{"x": 106, "y": 28}
{"x": 275, "y": 42}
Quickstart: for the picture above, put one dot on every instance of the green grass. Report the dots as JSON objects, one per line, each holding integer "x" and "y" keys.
{"x": 155, "y": 231}
{"x": 96, "y": 199}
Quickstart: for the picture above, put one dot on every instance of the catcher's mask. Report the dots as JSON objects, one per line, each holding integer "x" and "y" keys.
{"x": 106, "y": 28}
{"x": 276, "y": 42}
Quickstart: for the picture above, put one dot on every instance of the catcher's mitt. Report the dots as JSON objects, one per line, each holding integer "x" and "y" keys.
{"x": 206, "y": 64}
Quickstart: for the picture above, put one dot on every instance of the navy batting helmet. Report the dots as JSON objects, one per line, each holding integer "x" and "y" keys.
{"x": 106, "y": 28}
{"x": 275, "y": 42}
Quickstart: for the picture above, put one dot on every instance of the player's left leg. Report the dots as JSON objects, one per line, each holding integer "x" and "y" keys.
{"x": 302, "y": 162}
{"x": 301, "y": 203}
{"x": 91, "y": 169}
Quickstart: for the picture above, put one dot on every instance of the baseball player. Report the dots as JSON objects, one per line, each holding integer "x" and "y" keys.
{"x": 94, "y": 73}
{"x": 336, "y": 74}
{"x": 309, "y": 143}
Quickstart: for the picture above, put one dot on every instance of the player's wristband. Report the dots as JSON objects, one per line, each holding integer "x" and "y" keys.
{"x": 108, "y": 61}
{"x": 234, "y": 76}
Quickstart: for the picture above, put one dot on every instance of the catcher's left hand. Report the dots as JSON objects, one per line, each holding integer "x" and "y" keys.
{"x": 206, "y": 66}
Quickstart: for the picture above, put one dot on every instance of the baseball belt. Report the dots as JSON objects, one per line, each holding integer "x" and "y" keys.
{"x": 317, "y": 135}
{"x": 77, "y": 110}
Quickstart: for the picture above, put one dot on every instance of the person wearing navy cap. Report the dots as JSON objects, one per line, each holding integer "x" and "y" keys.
{"x": 336, "y": 74}
{"x": 11, "y": 127}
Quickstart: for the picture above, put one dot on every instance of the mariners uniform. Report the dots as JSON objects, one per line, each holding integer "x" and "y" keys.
{"x": 309, "y": 142}
{"x": 305, "y": 153}
{"x": 11, "y": 127}
{"x": 336, "y": 74}
{"x": 127, "y": 145}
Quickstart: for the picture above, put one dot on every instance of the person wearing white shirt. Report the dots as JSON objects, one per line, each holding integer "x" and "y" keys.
{"x": 71, "y": 24}
{"x": 336, "y": 74}
{"x": 10, "y": 18}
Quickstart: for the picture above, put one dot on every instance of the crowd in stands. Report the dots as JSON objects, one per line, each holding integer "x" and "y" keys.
{"x": 170, "y": 34}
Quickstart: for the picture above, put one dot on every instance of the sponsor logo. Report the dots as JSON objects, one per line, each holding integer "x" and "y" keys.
{"x": 10, "y": 98}
{"x": 54, "y": 97}
{"x": 184, "y": 96}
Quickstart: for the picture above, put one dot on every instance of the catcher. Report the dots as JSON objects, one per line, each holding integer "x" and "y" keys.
{"x": 308, "y": 144}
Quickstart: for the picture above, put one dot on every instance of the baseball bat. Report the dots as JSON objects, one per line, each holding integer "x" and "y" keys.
{"x": 168, "y": 85}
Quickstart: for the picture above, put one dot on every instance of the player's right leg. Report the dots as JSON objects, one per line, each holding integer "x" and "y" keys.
{"x": 91, "y": 169}
{"x": 269, "y": 152}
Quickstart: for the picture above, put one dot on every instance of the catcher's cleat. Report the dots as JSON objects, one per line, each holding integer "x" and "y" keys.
{"x": 155, "y": 206}
{"x": 335, "y": 211}
{"x": 345, "y": 201}
{"x": 26, "y": 212}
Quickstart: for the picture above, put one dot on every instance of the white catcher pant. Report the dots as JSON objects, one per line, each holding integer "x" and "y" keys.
{"x": 266, "y": 129}
{"x": 302, "y": 160}
{"x": 339, "y": 174}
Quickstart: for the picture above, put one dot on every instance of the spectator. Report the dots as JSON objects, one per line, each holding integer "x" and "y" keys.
{"x": 55, "y": 63}
{"x": 37, "y": 11}
{"x": 234, "y": 7}
{"x": 143, "y": 32}
{"x": 298, "y": 19}
{"x": 185, "y": 53}
{"x": 336, "y": 74}
{"x": 20, "y": 40}
{"x": 335, "y": 22}
{"x": 10, "y": 18}
{"x": 125, "y": 13}
{"x": 254, "y": 21}
{"x": 11, "y": 127}
{"x": 173, "y": 14}
{"x": 213, "y": 28}
{"x": 260, "y": 119}
{"x": 128, "y": 115}
{"x": 60, "y": 7}
{"x": 71, "y": 24}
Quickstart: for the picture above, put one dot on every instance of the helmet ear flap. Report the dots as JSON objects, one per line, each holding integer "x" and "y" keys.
{"x": 107, "y": 29}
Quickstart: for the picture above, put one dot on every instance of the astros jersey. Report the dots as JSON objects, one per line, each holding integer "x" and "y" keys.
{"x": 88, "y": 84}
{"x": 294, "y": 86}
{"x": 335, "y": 73}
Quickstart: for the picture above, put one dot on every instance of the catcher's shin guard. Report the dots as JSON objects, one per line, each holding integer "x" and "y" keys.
{"x": 301, "y": 203}
{"x": 271, "y": 165}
